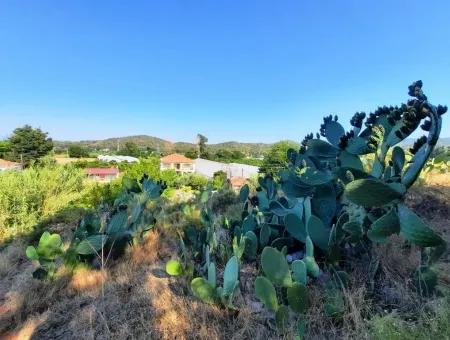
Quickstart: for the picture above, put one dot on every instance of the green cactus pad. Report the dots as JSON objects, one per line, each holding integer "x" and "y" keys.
{"x": 203, "y": 290}
{"x": 415, "y": 230}
{"x": 238, "y": 246}
{"x": 265, "y": 291}
{"x": 264, "y": 235}
{"x": 385, "y": 226}
{"x": 370, "y": 193}
{"x": 311, "y": 266}
{"x": 230, "y": 276}
{"x": 355, "y": 231}
{"x": 248, "y": 224}
{"x": 398, "y": 159}
{"x": 212, "y": 274}
{"x": 244, "y": 192}
{"x": 333, "y": 132}
{"x": 50, "y": 246}
{"x": 299, "y": 271}
{"x": 251, "y": 244}
{"x": 319, "y": 234}
{"x": 295, "y": 226}
{"x": 320, "y": 148}
{"x": 297, "y": 297}
{"x": 91, "y": 245}
{"x": 118, "y": 223}
{"x": 314, "y": 177}
{"x": 278, "y": 209}
{"x": 351, "y": 161}
{"x": 275, "y": 267}
{"x": 174, "y": 268}
{"x": 282, "y": 317}
{"x": 32, "y": 253}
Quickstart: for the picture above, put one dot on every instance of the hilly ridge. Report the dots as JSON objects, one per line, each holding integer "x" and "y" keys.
{"x": 164, "y": 146}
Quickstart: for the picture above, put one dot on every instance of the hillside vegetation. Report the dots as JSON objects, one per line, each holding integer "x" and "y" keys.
{"x": 164, "y": 146}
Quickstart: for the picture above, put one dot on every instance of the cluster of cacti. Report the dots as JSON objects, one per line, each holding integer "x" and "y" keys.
{"x": 126, "y": 222}
{"x": 207, "y": 289}
{"x": 326, "y": 199}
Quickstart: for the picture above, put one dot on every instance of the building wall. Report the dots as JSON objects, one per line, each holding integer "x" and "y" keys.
{"x": 179, "y": 167}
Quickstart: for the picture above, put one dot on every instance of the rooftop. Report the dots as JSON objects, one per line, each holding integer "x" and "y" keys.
{"x": 176, "y": 158}
{"x": 102, "y": 171}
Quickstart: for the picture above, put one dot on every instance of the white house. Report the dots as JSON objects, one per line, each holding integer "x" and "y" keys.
{"x": 177, "y": 162}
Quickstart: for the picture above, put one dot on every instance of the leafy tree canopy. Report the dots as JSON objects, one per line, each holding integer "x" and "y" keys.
{"x": 130, "y": 149}
{"x": 202, "y": 140}
{"x": 276, "y": 158}
{"x": 29, "y": 144}
{"x": 77, "y": 151}
{"x": 5, "y": 148}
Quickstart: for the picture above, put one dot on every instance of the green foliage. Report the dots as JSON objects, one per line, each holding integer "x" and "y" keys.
{"x": 29, "y": 196}
{"x": 49, "y": 248}
{"x": 265, "y": 292}
{"x": 219, "y": 179}
{"x": 430, "y": 324}
{"x": 276, "y": 158}
{"x": 130, "y": 149}
{"x": 5, "y": 148}
{"x": 28, "y": 144}
{"x": 297, "y": 296}
{"x": 323, "y": 203}
{"x": 275, "y": 267}
{"x": 201, "y": 144}
{"x": 126, "y": 223}
{"x": 77, "y": 151}
{"x": 204, "y": 290}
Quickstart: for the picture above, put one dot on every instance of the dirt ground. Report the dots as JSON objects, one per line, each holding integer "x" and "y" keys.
{"x": 134, "y": 299}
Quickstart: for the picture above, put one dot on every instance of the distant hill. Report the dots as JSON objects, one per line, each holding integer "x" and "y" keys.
{"x": 164, "y": 146}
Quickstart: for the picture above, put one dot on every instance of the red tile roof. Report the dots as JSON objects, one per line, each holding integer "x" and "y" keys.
{"x": 102, "y": 171}
{"x": 176, "y": 158}
{"x": 5, "y": 163}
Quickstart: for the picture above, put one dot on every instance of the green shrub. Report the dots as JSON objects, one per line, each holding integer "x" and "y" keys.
{"x": 28, "y": 196}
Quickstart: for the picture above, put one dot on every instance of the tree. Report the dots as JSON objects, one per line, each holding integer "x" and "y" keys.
{"x": 223, "y": 155}
{"x": 192, "y": 154}
{"x": 276, "y": 158}
{"x": 77, "y": 151}
{"x": 201, "y": 144}
{"x": 219, "y": 179}
{"x": 131, "y": 149}
{"x": 29, "y": 144}
{"x": 5, "y": 148}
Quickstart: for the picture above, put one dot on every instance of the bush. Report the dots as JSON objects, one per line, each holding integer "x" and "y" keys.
{"x": 194, "y": 181}
{"x": 77, "y": 151}
{"x": 29, "y": 195}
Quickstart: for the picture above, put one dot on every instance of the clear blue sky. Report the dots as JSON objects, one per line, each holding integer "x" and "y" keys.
{"x": 232, "y": 70}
